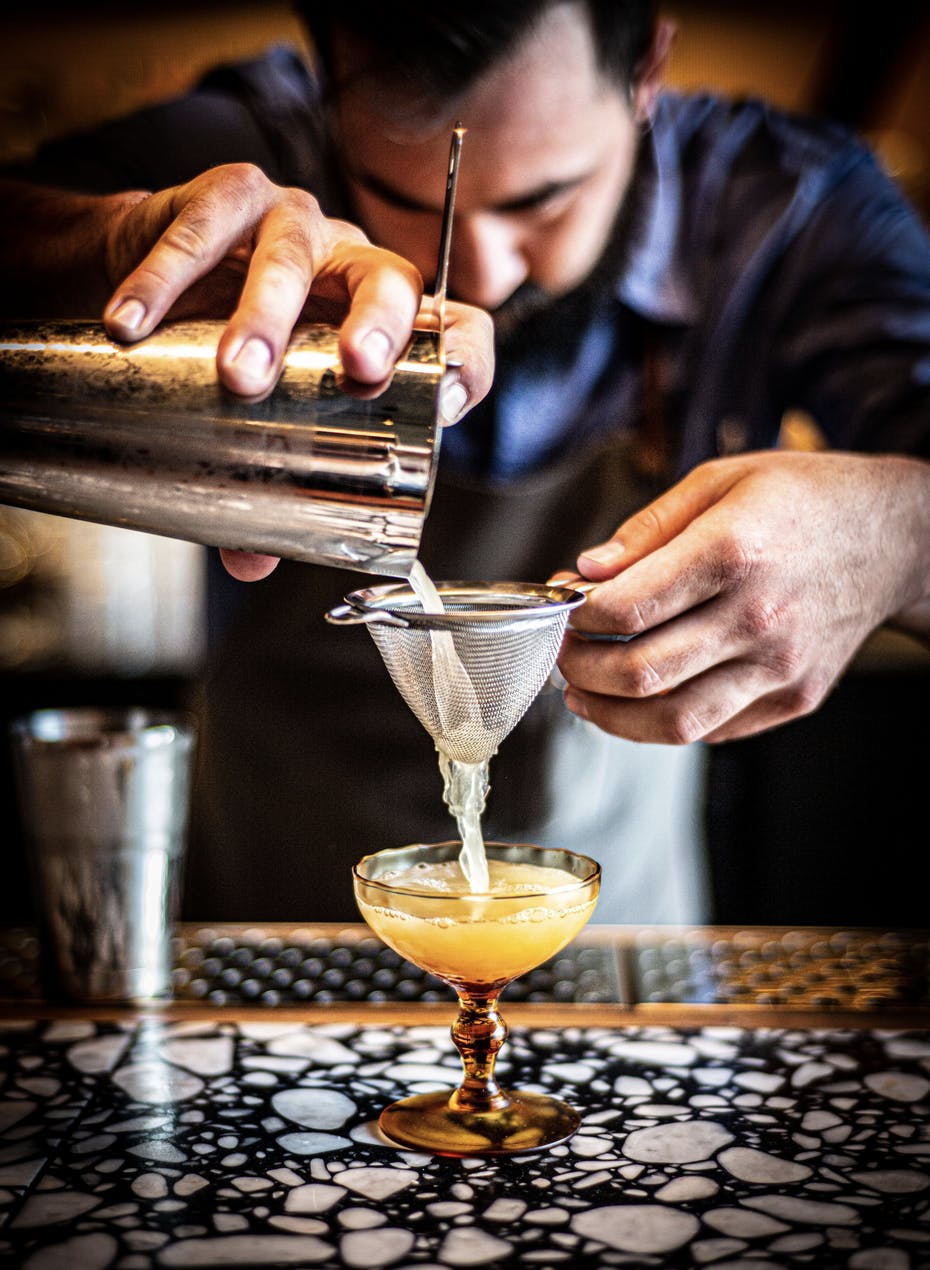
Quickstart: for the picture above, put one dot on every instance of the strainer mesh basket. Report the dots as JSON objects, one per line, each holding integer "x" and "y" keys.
{"x": 506, "y": 637}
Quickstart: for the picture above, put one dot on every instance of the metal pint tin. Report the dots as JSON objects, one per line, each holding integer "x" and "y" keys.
{"x": 104, "y": 800}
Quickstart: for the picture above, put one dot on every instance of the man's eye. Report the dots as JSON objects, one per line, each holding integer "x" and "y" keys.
{"x": 551, "y": 206}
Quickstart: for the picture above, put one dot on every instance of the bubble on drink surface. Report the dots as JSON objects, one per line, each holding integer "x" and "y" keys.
{"x": 543, "y": 913}
{"x": 384, "y": 911}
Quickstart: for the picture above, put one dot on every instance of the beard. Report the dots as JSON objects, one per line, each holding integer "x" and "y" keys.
{"x": 533, "y": 318}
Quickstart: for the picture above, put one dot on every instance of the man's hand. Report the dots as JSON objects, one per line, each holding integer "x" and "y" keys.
{"x": 231, "y": 243}
{"x": 748, "y": 586}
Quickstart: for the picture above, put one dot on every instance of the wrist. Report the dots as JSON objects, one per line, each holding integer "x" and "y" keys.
{"x": 912, "y": 612}
{"x": 56, "y": 249}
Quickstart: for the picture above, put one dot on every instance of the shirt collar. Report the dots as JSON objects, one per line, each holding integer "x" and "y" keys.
{"x": 656, "y": 281}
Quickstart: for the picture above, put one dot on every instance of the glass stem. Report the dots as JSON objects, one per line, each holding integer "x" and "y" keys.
{"x": 478, "y": 1033}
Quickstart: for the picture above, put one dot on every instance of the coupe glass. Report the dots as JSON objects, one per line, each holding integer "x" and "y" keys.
{"x": 477, "y": 944}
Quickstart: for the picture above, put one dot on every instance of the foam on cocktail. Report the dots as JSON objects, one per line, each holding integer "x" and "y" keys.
{"x": 505, "y": 877}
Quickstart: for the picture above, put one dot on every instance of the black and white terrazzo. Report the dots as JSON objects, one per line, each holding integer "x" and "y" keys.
{"x": 162, "y": 1144}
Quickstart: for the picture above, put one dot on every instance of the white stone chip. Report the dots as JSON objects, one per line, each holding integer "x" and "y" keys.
{"x": 750, "y": 1165}
{"x": 313, "y": 1197}
{"x": 312, "y": 1143}
{"x": 759, "y": 1082}
{"x": 49, "y": 1207}
{"x": 158, "y": 1149}
{"x": 207, "y": 1056}
{"x": 637, "y": 1227}
{"x": 682, "y": 1189}
{"x": 741, "y": 1224}
{"x": 300, "y": 1225}
{"x": 98, "y": 1055}
{"x": 150, "y": 1186}
{"x": 632, "y": 1087}
{"x": 677, "y": 1143}
{"x": 899, "y": 1086}
{"x": 189, "y": 1184}
{"x": 370, "y": 1248}
{"x": 247, "y": 1250}
{"x": 469, "y": 1246}
{"x": 91, "y": 1252}
{"x": 505, "y": 1210}
{"x": 376, "y": 1183}
{"x": 814, "y": 1212}
{"x": 314, "y": 1108}
{"x": 893, "y": 1181}
{"x": 655, "y": 1053}
{"x": 157, "y": 1082}
{"x": 323, "y": 1050}
{"x": 807, "y": 1073}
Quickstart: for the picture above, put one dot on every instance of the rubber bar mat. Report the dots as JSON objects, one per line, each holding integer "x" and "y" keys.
{"x": 797, "y": 968}
{"x": 853, "y": 970}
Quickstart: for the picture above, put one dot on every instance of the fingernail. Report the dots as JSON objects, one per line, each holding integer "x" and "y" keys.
{"x": 608, "y": 554}
{"x": 575, "y": 703}
{"x": 559, "y": 579}
{"x": 253, "y": 359}
{"x": 452, "y": 401}
{"x": 129, "y": 313}
{"x": 378, "y": 347}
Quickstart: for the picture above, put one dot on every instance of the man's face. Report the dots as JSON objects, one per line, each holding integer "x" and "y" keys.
{"x": 547, "y": 159}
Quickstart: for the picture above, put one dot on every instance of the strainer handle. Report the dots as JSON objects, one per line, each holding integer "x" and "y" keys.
{"x": 349, "y": 615}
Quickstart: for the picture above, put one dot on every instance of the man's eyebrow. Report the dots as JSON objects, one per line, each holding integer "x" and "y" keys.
{"x": 523, "y": 203}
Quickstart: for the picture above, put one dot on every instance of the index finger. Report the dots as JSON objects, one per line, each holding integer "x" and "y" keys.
{"x": 659, "y": 586}
{"x": 659, "y": 522}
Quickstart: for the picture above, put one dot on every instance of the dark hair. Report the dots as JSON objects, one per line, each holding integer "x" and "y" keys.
{"x": 442, "y": 46}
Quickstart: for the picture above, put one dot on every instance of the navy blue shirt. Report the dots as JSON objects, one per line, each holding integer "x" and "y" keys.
{"x": 771, "y": 265}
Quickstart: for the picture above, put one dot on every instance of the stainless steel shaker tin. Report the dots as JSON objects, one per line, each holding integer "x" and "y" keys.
{"x": 145, "y": 437}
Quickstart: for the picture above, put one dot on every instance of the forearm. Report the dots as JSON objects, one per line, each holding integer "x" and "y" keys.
{"x": 54, "y": 254}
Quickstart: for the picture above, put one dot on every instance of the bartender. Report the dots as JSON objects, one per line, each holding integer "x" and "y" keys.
{"x": 667, "y": 276}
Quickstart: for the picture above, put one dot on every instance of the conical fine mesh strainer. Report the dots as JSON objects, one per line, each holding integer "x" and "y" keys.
{"x": 504, "y": 636}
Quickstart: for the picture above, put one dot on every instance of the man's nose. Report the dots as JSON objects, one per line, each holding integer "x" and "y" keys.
{"x": 488, "y": 262}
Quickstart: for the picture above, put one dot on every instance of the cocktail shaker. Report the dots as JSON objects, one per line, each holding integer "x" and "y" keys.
{"x": 144, "y": 436}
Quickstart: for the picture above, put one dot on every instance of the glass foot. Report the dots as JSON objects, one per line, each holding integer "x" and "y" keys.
{"x": 429, "y": 1122}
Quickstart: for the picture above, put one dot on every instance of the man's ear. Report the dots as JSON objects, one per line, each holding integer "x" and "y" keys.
{"x": 650, "y": 70}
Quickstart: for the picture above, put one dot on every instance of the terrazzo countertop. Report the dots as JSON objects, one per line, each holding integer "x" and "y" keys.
{"x": 150, "y": 1142}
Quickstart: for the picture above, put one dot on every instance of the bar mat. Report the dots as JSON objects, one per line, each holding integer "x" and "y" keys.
{"x": 803, "y": 969}
{"x": 348, "y": 967}
{"x": 258, "y": 968}
{"x": 852, "y": 970}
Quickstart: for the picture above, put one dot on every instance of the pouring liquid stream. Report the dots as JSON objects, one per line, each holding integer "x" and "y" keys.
{"x": 465, "y": 784}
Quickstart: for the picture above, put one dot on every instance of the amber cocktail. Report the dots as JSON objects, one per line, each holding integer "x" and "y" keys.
{"x": 416, "y": 899}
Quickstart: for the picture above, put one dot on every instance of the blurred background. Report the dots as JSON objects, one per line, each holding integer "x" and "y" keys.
{"x": 96, "y": 615}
